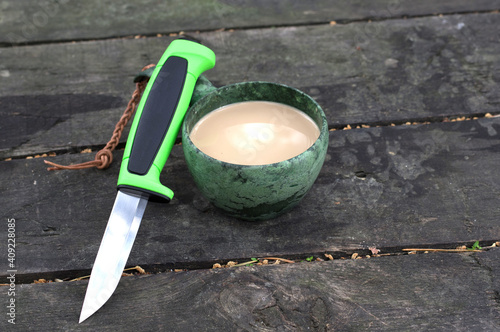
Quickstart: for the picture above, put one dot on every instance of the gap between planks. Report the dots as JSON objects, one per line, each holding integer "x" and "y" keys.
{"x": 361, "y": 253}
{"x": 427, "y": 121}
{"x": 368, "y": 19}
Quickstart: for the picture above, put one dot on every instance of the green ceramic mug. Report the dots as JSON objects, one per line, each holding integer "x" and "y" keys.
{"x": 253, "y": 192}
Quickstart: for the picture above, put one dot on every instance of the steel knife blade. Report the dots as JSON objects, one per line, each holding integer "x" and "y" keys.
{"x": 115, "y": 248}
{"x": 153, "y": 132}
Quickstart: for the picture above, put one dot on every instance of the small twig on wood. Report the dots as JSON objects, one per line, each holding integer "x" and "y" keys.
{"x": 442, "y": 250}
{"x": 246, "y": 263}
{"x": 279, "y": 259}
{"x": 80, "y": 278}
{"x": 137, "y": 268}
{"x": 261, "y": 260}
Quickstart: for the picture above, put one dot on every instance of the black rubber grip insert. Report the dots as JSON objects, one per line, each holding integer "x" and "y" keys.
{"x": 157, "y": 114}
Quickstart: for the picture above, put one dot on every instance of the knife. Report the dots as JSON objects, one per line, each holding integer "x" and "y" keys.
{"x": 153, "y": 132}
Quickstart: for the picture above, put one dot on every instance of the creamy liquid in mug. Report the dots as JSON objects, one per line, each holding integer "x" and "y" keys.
{"x": 254, "y": 133}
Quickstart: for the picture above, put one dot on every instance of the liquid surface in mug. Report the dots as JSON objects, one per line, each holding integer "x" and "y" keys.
{"x": 254, "y": 133}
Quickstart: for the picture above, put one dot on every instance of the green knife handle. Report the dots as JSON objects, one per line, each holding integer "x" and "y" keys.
{"x": 159, "y": 117}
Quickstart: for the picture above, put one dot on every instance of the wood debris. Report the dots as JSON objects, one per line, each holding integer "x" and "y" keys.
{"x": 256, "y": 261}
{"x": 139, "y": 269}
{"x": 231, "y": 263}
{"x": 280, "y": 259}
{"x": 41, "y": 281}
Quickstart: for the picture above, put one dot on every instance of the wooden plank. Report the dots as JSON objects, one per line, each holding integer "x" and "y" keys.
{"x": 381, "y": 72}
{"x": 432, "y": 292}
{"x": 72, "y": 116}
{"x": 48, "y": 21}
{"x": 388, "y": 187}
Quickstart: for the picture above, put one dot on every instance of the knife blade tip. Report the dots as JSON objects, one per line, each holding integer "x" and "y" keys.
{"x": 84, "y": 315}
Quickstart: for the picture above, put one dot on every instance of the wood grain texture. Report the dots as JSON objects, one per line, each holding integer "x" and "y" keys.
{"x": 66, "y": 70}
{"x": 66, "y": 20}
{"x": 427, "y": 292}
{"x": 380, "y": 72}
{"x": 433, "y": 184}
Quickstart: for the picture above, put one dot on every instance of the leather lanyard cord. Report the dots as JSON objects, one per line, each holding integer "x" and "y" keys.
{"x": 104, "y": 157}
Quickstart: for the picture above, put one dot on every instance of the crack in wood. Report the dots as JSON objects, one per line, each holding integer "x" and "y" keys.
{"x": 352, "y": 126}
{"x": 495, "y": 293}
{"x": 352, "y": 254}
{"x": 415, "y": 121}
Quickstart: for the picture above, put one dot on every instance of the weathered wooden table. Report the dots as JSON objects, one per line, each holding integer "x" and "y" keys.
{"x": 411, "y": 90}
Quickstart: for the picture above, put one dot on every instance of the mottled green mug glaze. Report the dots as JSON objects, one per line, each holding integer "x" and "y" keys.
{"x": 256, "y": 192}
